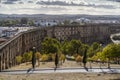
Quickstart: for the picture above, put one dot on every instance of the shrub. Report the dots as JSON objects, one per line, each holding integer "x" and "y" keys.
{"x": 44, "y": 57}
{"x": 53, "y": 57}
{"x": 62, "y": 57}
{"x": 75, "y": 55}
{"x": 50, "y": 56}
{"x": 27, "y": 56}
{"x": 94, "y": 58}
{"x": 38, "y": 56}
{"x": 18, "y": 59}
{"x": 78, "y": 58}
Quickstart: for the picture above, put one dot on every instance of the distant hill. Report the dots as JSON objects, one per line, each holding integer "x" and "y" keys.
{"x": 115, "y": 0}
{"x": 61, "y": 17}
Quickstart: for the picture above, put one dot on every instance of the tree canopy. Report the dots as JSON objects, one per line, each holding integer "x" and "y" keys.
{"x": 50, "y": 45}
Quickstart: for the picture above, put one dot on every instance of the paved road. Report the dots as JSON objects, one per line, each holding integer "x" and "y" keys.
{"x": 63, "y": 70}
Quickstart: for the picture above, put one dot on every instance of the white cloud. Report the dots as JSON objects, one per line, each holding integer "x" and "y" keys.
{"x": 93, "y": 7}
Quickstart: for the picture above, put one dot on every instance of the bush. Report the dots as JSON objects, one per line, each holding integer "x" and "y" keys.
{"x": 27, "y": 56}
{"x": 53, "y": 57}
{"x": 44, "y": 57}
{"x": 18, "y": 59}
{"x": 37, "y": 55}
{"x": 50, "y": 56}
{"x": 75, "y": 55}
{"x": 78, "y": 58}
{"x": 90, "y": 59}
{"x": 94, "y": 58}
{"x": 62, "y": 57}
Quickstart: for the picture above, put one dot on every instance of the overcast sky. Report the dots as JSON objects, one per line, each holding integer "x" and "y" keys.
{"x": 91, "y": 7}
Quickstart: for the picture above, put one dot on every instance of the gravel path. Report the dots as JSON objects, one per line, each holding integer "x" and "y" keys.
{"x": 62, "y": 76}
{"x": 67, "y": 64}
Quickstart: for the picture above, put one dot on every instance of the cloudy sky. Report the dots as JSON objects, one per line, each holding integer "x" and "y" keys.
{"x": 90, "y": 7}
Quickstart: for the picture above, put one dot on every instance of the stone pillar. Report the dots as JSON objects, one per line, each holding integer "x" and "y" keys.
{"x": 3, "y": 61}
{"x": 0, "y": 63}
{"x": 7, "y": 59}
{"x": 14, "y": 55}
{"x": 10, "y": 58}
{"x": 12, "y": 51}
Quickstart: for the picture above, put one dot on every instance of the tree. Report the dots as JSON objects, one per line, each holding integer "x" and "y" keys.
{"x": 117, "y": 55}
{"x": 100, "y": 57}
{"x": 24, "y": 20}
{"x": 56, "y": 61}
{"x": 85, "y": 58}
{"x": 109, "y": 52}
{"x": 67, "y": 48}
{"x": 71, "y": 47}
{"x": 82, "y": 49}
{"x": 94, "y": 48}
{"x": 31, "y": 23}
{"x": 66, "y": 22}
{"x": 50, "y": 45}
{"x": 116, "y": 37}
{"x": 85, "y": 55}
{"x": 33, "y": 57}
{"x": 112, "y": 53}
{"x": 76, "y": 44}
{"x": 8, "y": 23}
{"x": 15, "y": 22}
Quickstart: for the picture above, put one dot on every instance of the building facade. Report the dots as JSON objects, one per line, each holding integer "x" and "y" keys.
{"x": 87, "y": 33}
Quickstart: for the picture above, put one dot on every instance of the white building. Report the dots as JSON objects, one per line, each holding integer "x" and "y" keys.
{"x": 105, "y": 21}
{"x": 45, "y": 23}
{"x": 11, "y": 31}
{"x": 83, "y": 20}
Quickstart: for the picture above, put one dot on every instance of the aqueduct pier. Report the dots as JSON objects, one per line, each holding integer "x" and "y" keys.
{"x": 24, "y": 41}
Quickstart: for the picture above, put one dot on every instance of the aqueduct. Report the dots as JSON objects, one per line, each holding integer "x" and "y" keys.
{"x": 24, "y": 41}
